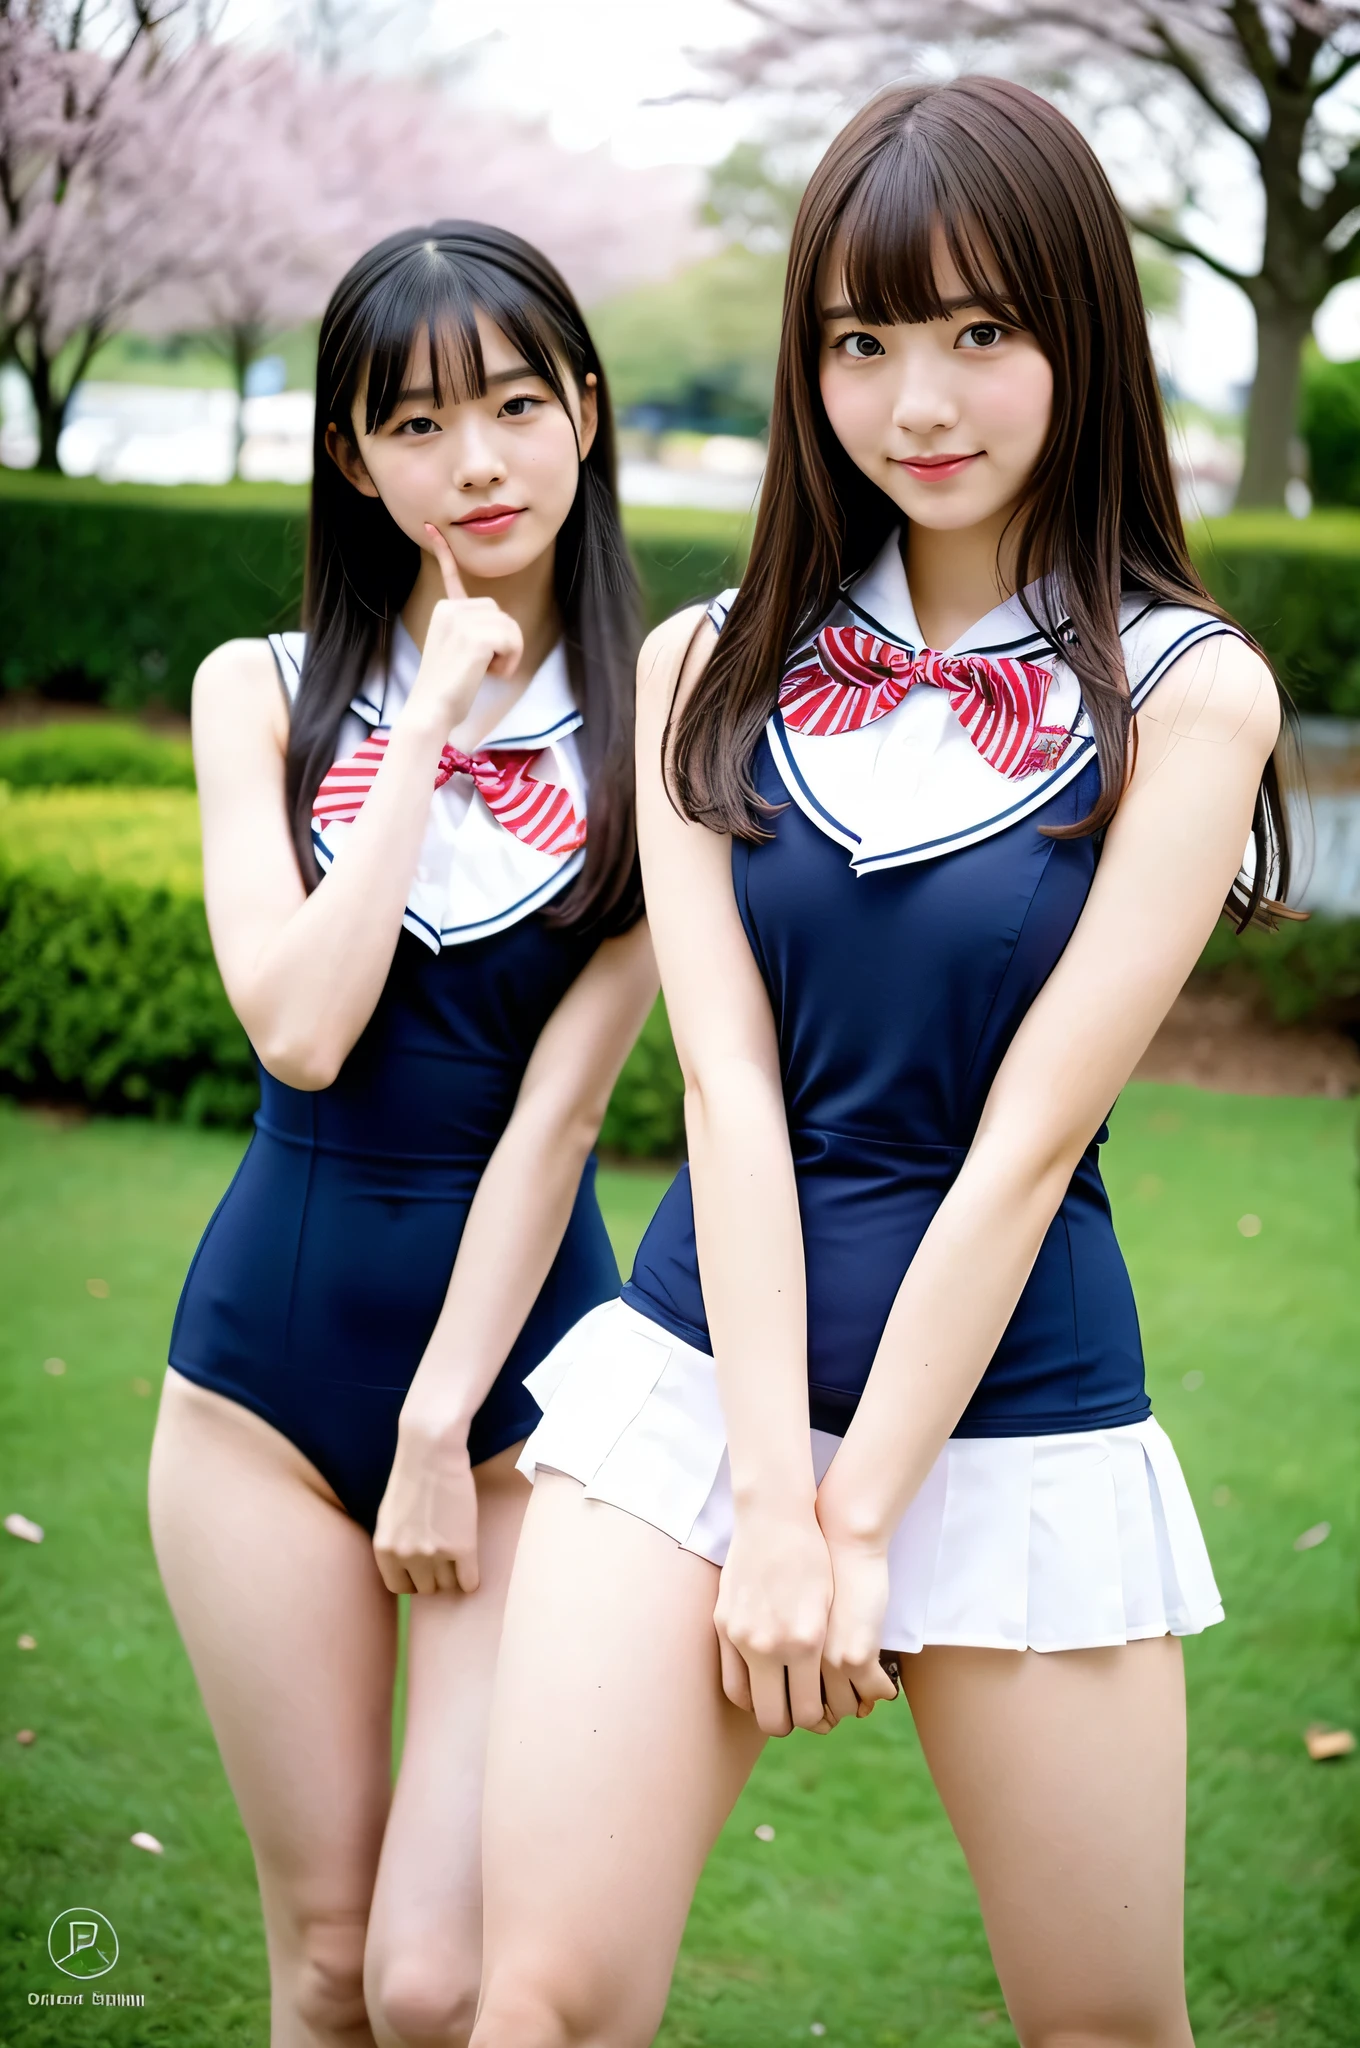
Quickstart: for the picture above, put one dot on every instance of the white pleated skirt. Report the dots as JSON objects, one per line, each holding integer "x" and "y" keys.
{"x": 1072, "y": 1542}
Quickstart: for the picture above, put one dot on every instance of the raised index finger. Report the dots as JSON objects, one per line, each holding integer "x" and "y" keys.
{"x": 448, "y": 568}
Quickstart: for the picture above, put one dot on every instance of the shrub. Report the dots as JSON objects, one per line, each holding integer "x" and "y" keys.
{"x": 98, "y": 755}
{"x": 1307, "y": 973}
{"x": 1329, "y": 421}
{"x": 109, "y": 993}
{"x": 165, "y": 574}
{"x": 1295, "y": 585}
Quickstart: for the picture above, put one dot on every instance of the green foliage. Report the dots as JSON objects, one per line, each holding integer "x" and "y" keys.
{"x": 109, "y": 993}
{"x": 1329, "y": 421}
{"x": 1295, "y": 585}
{"x": 1308, "y": 973}
{"x": 702, "y": 345}
{"x": 116, "y": 592}
{"x": 101, "y": 755}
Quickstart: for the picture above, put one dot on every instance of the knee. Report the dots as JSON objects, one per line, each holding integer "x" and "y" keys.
{"x": 420, "y": 2001}
{"x": 1138, "y": 2028}
{"x": 522, "y": 2015}
{"x": 328, "y": 1977}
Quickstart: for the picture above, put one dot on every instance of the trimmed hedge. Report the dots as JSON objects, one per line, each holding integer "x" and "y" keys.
{"x": 109, "y": 993}
{"x": 1295, "y": 585}
{"x": 86, "y": 754}
{"x": 166, "y": 574}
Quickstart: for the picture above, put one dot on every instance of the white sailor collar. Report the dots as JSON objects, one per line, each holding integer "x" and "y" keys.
{"x": 473, "y": 877}
{"x": 910, "y": 785}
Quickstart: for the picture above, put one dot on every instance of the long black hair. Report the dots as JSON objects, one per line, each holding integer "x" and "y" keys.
{"x": 361, "y": 566}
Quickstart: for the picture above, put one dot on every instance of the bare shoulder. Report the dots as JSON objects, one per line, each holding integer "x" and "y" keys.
{"x": 1221, "y": 693}
{"x": 673, "y": 657}
{"x": 237, "y": 689}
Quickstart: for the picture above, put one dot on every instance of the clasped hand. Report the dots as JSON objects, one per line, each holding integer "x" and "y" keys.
{"x": 799, "y": 1618}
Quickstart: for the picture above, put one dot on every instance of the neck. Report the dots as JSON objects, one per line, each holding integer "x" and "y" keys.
{"x": 957, "y": 577}
{"x": 527, "y": 596}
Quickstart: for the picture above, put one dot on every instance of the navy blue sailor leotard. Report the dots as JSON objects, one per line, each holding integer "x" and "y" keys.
{"x": 318, "y": 1281}
{"x": 905, "y": 912}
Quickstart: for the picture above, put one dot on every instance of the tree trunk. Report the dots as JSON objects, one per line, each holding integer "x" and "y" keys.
{"x": 48, "y": 405}
{"x": 244, "y": 343}
{"x": 1272, "y": 413}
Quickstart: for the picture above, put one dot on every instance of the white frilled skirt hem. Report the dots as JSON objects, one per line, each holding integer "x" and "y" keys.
{"x": 1071, "y": 1542}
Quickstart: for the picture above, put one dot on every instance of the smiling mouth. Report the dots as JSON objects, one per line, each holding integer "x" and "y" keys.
{"x": 489, "y": 519}
{"x": 936, "y": 467}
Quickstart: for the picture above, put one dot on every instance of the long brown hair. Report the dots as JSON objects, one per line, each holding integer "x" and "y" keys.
{"x": 361, "y": 566}
{"x": 1037, "y": 237}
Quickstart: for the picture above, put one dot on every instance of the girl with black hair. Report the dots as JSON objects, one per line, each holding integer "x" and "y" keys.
{"x": 420, "y": 874}
{"x": 936, "y": 814}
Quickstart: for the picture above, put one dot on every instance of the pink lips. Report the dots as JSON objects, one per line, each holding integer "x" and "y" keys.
{"x": 490, "y": 519}
{"x": 935, "y": 468}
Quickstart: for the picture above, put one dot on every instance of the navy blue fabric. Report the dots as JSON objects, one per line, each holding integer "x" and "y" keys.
{"x": 895, "y": 995}
{"x": 319, "y": 1280}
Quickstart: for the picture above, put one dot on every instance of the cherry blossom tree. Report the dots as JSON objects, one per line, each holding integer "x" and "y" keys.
{"x": 1271, "y": 77}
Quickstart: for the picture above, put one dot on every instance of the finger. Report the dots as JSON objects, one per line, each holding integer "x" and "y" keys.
{"x": 446, "y": 1575}
{"x": 736, "y": 1679}
{"x": 448, "y": 568}
{"x": 770, "y": 1698}
{"x": 842, "y": 1701}
{"x": 468, "y": 1572}
{"x": 421, "y": 1570}
{"x": 805, "y": 1691}
{"x": 872, "y": 1683}
{"x": 510, "y": 653}
{"x": 392, "y": 1571}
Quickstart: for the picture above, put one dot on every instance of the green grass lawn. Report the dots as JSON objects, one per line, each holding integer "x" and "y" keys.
{"x": 858, "y": 1916}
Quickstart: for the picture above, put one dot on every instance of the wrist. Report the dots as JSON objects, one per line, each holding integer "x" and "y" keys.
{"x": 437, "y": 1413}
{"x": 853, "y": 1520}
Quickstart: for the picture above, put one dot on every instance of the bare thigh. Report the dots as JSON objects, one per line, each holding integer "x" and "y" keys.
{"x": 1063, "y": 1774}
{"x": 614, "y": 1759}
{"x": 424, "y": 1958}
{"x": 292, "y": 1637}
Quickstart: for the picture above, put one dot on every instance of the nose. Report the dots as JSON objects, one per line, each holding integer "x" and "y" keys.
{"x": 478, "y": 463}
{"x": 924, "y": 403}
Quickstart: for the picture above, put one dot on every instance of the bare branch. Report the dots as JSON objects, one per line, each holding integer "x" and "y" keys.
{"x": 1182, "y": 245}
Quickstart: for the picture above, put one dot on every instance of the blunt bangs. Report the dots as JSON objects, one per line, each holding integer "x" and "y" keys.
{"x": 433, "y": 289}
{"x": 889, "y": 231}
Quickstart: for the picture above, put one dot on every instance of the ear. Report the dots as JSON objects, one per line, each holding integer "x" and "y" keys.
{"x": 349, "y": 461}
{"x": 590, "y": 413}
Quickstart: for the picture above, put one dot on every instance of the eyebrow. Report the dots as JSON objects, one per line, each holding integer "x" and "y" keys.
{"x": 425, "y": 393}
{"x": 956, "y": 305}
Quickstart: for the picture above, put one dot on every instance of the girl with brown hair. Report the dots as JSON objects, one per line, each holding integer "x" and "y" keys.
{"x": 933, "y": 829}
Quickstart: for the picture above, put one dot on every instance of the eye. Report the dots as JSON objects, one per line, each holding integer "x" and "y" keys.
{"x": 860, "y": 348}
{"x": 520, "y": 406}
{"x": 982, "y": 334}
{"x": 419, "y": 427}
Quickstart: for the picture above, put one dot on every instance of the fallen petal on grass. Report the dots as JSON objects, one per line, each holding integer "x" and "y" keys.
{"x": 28, "y": 1642}
{"x": 764, "y": 1833}
{"x": 1222, "y": 1496}
{"x": 1192, "y": 1381}
{"x": 1311, "y": 1538}
{"x": 26, "y": 1738}
{"x": 142, "y": 1387}
{"x": 98, "y": 1288}
{"x": 1326, "y": 1744}
{"x": 56, "y": 1366}
{"x": 816, "y": 2028}
{"x": 141, "y": 1840}
{"x": 26, "y": 1531}
{"x": 1250, "y": 1226}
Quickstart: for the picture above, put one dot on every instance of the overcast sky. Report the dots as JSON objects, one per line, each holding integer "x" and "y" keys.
{"x": 590, "y": 68}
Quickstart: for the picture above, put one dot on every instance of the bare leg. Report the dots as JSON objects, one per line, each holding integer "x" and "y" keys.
{"x": 1063, "y": 1774}
{"x": 292, "y": 1636}
{"x": 424, "y": 1957}
{"x": 614, "y": 1760}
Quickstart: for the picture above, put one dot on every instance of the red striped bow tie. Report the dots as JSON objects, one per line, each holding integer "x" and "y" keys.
{"x": 539, "y": 813}
{"x": 856, "y": 677}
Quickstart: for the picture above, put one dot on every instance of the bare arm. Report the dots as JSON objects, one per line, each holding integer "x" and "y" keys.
{"x": 775, "y": 1589}
{"x": 1168, "y": 860}
{"x": 426, "y": 1534}
{"x": 304, "y": 973}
